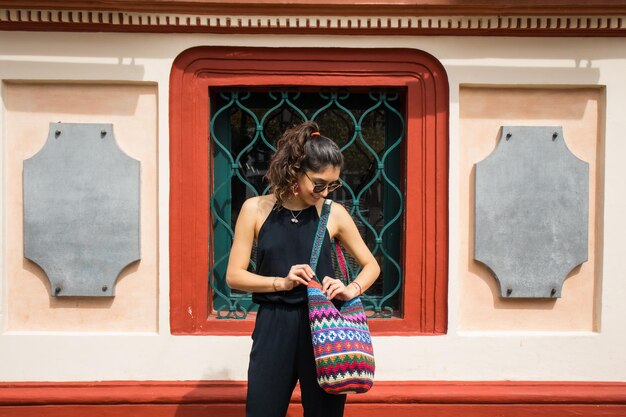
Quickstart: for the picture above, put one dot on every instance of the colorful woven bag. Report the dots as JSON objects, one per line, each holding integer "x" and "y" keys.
{"x": 342, "y": 345}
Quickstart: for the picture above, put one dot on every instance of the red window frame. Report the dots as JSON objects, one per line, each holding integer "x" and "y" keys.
{"x": 425, "y": 289}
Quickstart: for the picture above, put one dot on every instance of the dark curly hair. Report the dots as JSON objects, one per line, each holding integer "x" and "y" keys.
{"x": 297, "y": 152}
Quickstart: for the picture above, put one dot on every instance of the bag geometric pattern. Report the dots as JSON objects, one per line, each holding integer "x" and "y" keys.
{"x": 342, "y": 345}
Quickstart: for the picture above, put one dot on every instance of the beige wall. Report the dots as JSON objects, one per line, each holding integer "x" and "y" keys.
{"x": 500, "y": 349}
{"x": 29, "y": 108}
{"x": 483, "y": 110}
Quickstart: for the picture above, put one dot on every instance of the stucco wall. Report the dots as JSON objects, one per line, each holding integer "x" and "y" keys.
{"x": 466, "y": 352}
{"x": 483, "y": 110}
{"x": 29, "y": 108}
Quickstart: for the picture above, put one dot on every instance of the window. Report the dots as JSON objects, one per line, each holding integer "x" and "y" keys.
{"x": 388, "y": 111}
{"x": 369, "y": 127}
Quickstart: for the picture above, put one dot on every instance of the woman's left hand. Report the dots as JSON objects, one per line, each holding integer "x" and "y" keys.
{"x": 335, "y": 288}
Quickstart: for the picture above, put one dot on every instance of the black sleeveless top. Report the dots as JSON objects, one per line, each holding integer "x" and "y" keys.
{"x": 282, "y": 244}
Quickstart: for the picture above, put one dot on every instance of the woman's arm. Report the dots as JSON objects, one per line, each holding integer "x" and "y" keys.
{"x": 237, "y": 275}
{"x": 349, "y": 236}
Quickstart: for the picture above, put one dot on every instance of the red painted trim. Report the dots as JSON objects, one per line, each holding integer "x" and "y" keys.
{"x": 336, "y": 7}
{"x": 402, "y": 398}
{"x": 295, "y": 410}
{"x": 197, "y": 69}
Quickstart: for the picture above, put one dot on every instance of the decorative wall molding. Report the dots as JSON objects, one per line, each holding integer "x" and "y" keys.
{"x": 116, "y": 21}
{"x": 402, "y": 398}
{"x": 337, "y": 7}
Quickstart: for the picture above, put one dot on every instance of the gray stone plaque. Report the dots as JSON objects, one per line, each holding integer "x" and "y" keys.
{"x": 81, "y": 209}
{"x": 531, "y": 211}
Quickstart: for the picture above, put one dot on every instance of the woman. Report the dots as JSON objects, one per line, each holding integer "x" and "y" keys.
{"x": 304, "y": 169}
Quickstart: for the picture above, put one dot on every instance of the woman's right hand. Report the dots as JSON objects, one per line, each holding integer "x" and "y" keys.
{"x": 298, "y": 274}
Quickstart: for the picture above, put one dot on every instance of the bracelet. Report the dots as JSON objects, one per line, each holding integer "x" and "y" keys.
{"x": 274, "y": 285}
{"x": 358, "y": 285}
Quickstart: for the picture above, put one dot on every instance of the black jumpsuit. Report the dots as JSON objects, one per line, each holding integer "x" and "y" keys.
{"x": 282, "y": 352}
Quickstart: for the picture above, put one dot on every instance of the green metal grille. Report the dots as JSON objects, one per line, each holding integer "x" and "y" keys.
{"x": 368, "y": 125}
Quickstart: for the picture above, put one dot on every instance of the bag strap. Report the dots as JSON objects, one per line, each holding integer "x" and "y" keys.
{"x": 341, "y": 260}
{"x": 319, "y": 236}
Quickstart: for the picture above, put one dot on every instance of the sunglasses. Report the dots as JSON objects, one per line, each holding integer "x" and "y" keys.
{"x": 319, "y": 188}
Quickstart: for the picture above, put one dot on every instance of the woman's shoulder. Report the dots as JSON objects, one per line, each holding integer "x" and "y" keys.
{"x": 259, "y": 208}
{"x": 336, "y": 208}
{"x": 338, "y": 218}
{"x": 260, "y": 202}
